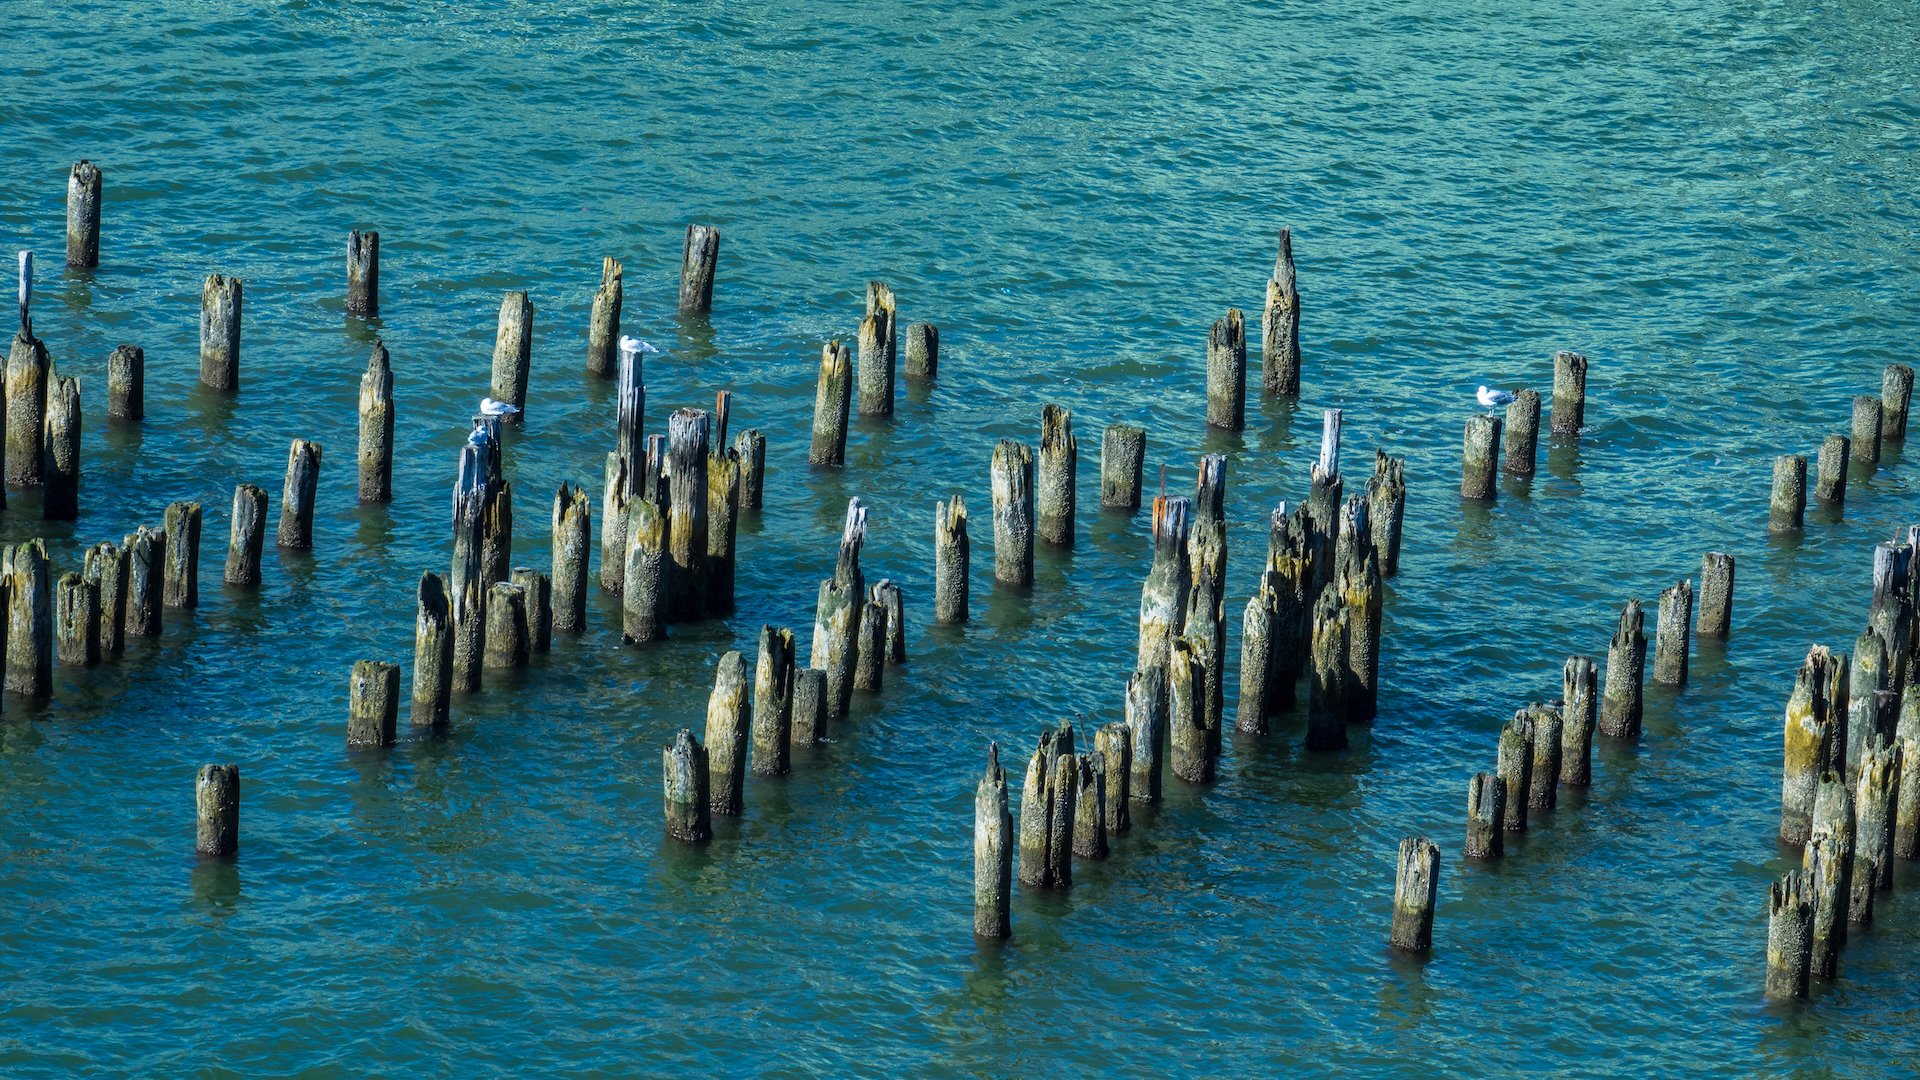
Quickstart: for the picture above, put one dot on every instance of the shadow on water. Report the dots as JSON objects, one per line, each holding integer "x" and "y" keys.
{"x": 215, "y": 883}
{"x": 373, "y": 526}
{"x": 695, "y": 338}
{"x": 359, "y": 331}
{"x": 1520, "y": 487}
{"x": 1563, "y": 458}
{"x": 213, "y": 409}
{"x": 1276, "y": 429}
{"x": 1476, "y": 529}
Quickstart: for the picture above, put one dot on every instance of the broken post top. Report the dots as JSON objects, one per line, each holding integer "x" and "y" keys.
{"x": 1328, "y": 467}
{"x": 1283, "y": 270}
{"x": 1172, "y": 518}
{"x": 379, "y": 377}
{"x": 879, "y": 299}
{"x": 1210, "y": 488}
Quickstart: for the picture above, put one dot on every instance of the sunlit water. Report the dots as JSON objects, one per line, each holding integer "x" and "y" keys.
{"x": 1715, "y": 207}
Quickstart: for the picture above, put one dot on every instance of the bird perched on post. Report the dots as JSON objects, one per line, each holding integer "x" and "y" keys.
{"x": 1491, "y": 399}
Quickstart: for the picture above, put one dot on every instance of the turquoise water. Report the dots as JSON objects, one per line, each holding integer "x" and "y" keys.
{"x": 1714, "y": 206}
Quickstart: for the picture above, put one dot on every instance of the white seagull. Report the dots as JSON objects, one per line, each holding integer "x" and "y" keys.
{"x": 490, "y": 407}
{"x": 635, "y": 345}
{"x": 1494, "y": 399}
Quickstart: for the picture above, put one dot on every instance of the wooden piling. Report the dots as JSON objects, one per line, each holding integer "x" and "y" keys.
{"x": 1114, "y": 744}
{"x": 1357, "y": 576}
{"x": 698, "y": 260}
{"x": 831, "y": 398}
{"x": 1414, "y": 887}
{"x": 952, "y": 561}
{"x": 1620, "y": 703}
{"x": 296, "y": 497}
{"x": 1866, "y": 430}
{"x": 537, "y": 588}
{"x": 28, "y": 369}
{"x": 1148, "y": 729}
{"x": 645, "y": 601}
{"x": 1544, "y": 771}
{"x": 467, "y": 582}
{"x": 1123, "y": 455}
{"x": 1579, "y": 708}
{"x": 870, "y": 657}
{"x": 1057, "y": 475}
{"x": 1830, "y": 486}
{"x": 180, "y": 576}
{"x": 1522, "y": 433}
{"x": 923, "y": 351}
{"x": 729, "y": 719}
{"x": 1569, "y": 393}
{"x": 836, "y": 640}
{"x": 246, "y": 537}
{"x": 29, "y": 622}
{"x": 432, "y": 655}
{"x": 60, "y": 451}
{"x": 1227, "y": 372}
{"x": 496, "y": 534}
{"x": 363, "y": 274}
{"x": 106, "y": 573}
{"x": 508, "y": 642}
{"x": 888, "y": 595}
{"x": 615, "y": 509}
{"x": 1789, "y": 935}
{"x": 1671, "y": 630}
{"x": 572, "y": 525}
{"x": 1163, "y": 599}
{"x": 751, "y": 448}
{"x": 1828, "y": 864}
{"x": 76, "y": 621}
{"x": 1011, "y": 474}
{"x": 1873, "y": 811}
{"x": 83, "y": 216}
{"x": 1186, "y": 714}
{"x": 1047, "y": 803}
{"x": 144, "y": 561}
{"x": 1256, "y": 663}
{"x": 216, "y": 799}
{"x": 1090, "y": 811}
{"x": 220, "y": 304}
{"x": 1809, "y": 742}
{"x": 992, "y": 852}
{"x": 1514, "y": 765}
{"x": 1868, "y": 690}
{"x": 1716, "y": 595}
{"x": 126, "y": 383}
{"x": 1486, "y": 817}
{"x": 1786, "y": 508}
{"x": 376, "y": 428}
{"x": 773, "y": 682}
{"x": 1906, "y": 827}
{"x": 1477, "y": 464}
{"x": 1386, "y": 509}
{"x": 1896, "y": 392}
{"x": 878, "y": 343}
{"x": 809, "y": 706}
{"x": 723, "y": 516}
{"x": 1327, "y": 688}
{"x": 683, "y": 768}
{"x": 1280, "y": 326}
{"x": 603, "y": 325}
{"x": 513, "y": 350}
{"x": 373, "y": 703}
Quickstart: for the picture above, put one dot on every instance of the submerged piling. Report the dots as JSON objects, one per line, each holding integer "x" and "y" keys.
{"x": 698, "y": 260}
{"x": 572, "y": 525}
{"x": 1620, "y": 704}
{"x": 83, "y": 216}
{"x": 1477, "y": 463}
{"x": 1123, "y": 454}
{"x": 1146, "y": 712}
{"x": 180, "y": 580}
{"x": 216, "y": 799}
{"x": 1670, "y": 642}
{"x": 376, "y": 428}
{"x": 1830, "y": 486}
{"x": 126, "y": 383}
{"x": 878, "y": 343}
{"x": 1521, "y": 448}
{"x": 1786, "y": 508}
{"x": 1789, "y": 935}
{"x": 296, "y": 497}
{"x": 60, "y": 451}
{"x": 832, "y": 397}
{"x": 432, "y": 654}
{"x": 1227, "y": 372}
{"x": 1866, "y": 430}
{"x": 1569, "y": 393}
{"x": 1579, "y": 709}
{"x": 1013, "y": 513}
{"x": 363, "y": 274}
{"x": 220, "y": 304}
{"x": 1716, "y": 595}
{"x": 1280, "y": 326}
{"x": 1896, "y": 393}
{"x": 513, "y": 350}
{"x": 923, "y": 351}
{"x": 773, "y": 682}
{"x": 1414, "y": 888}
{"x": 1057, "y": 474}
{"x": 603, "y": 325}
{"x": 729, "y": 719}
{"x": 29, "y": 622}
{"x": 992, "y": 852}
{"x": 1514, "y": 766}
{"x": 952, "y": 561}
{"x": 683, "y": 768}
{"x": 373, "y": 703}
{"x": 247, "y": 536}
{"x": 76, "y": 620}
{"x": 1486, "y": 817}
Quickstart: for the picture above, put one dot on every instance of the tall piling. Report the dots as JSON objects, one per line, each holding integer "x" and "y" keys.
{"x": 127, "y": 383}
{"x": 76, "y": 621}
{"x": 1787, "y": 506}
{"x": 687, "y": 522}
{"x": 1146, "y": 712}
{"x": 216, "y": 800}
{"x": 1227, "y": 372}
{"x": 1479, "y": 457}
{"x": 729, "y": 719}
{"x": 373, "y": 703}
{"x": 1386, "y": 509}
{"x": 376, "y": 428}
{"x": 888, "y": 596}
{"x": 878, "y": 343}
{"x": 1327, "y": 689}
{"x": 1013, "y": 513}
{"x": 1789, "y": 935}
{"x": 1186, "y": 717}
{"x": 1579, "y": 708}
{"x": 1414, "y": 886}
{"x": 220, "y": 304}
{"x": 467, "y": 581}
{"x": 180, "y": 577}
{"x": 603, "y": 325}
{"x": 614, "y": 512}
{"x": 1620, "y": 702}
{"x": 1521, "y": 449}
{"x": 363, "y": 274}
{"x": 1514, "y": 766}
{"x": 832, "y": 396}
{"x": 143, "y": 555}
{"x": 923, "y": 352}
{"x": 432, "y": 654}
{"x": 1569, "y": 393}
{"x": 296, "y": 497}
{"x": 1866, "y": 430}
{"x": 1828, "y": 863}
{"x": 1057, "y": 474}
{"x": 1716, "y": 595}
{"x": 572, "y": 525}
{"x": 513, "y": 350}
{"x": 723, "y": 516}
{"x": 1671, "y": 630}
{"x": 1280, "y": 326}
{"x": 1830, "y": 485}
{"x": 683, "y": 768}
{"x": 773, "y": 680}
{"x": 1163, "y": 599}
{"x": 26, "y": 409}
{"x": 1809, "y": 742}
{"x": 1873, "y": 811}
{"x": 1869, "y": 685}
{"x": 30, "y": 622}
{"x": 246, "y": 537}
{"x": 699, "y": 258}
{"x": 106, "y": 574}
{"x": 992, "y": 852}
{"x": 83, "y": 215}
{"x": 952, "y": 561}
{"x": 751, "y": 447}
{"x": 1123, "y": 455}
{"x": 60, "y": 451}
{"x": 1486, "y": 817}
{"x": 1896, "y": 393}
{"x": 1256, "y": 663}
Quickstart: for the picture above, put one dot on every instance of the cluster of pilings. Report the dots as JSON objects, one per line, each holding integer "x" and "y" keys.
{"x": 873, "y": 376}
{"x": 1876, "y": 421}
{"x": 1494, "y": 446}
{"x": 1279, "y": 347}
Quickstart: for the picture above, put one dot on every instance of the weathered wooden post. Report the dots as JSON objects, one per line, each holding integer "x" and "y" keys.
{"x": 1090, "y": 810}
{"x": 1544, "y": 770}
{"x": 1523, "y": 433}
{"x": 1327, "y": 707}
{"x": 1514, "y": 766}
{"x": 29, "y": 622}
{"x": 877, "y": 350}
{"x": 220, "y": 304}
{"x": 1580, "y": 701}
{"x": 1357, "y": 576}
{"x": 1828, "y": 864}
{"x": 1477, "y": 464}
{"x": 603, "y": 325}
{"x": 432, "y": 655}
{"x": 1830, "y": 486}
{"x": 1280, "y": 326}
{"x": 687, "y": 522}
{"x": 538, "y": 590}
{"x": 723, "y": 516}
{"x": 376, "y": 428}
{"x": 508, "y": 642}
{"x": 1786, "y": 509}
{"x": 1569, "y": 393}
{"x": 1789, "y": 935}
{"x": 373, "y": 703}
{"x": 106, "y": 574}
{"x": 1809, "y": 743}
{"x": 751, "y": 447}
{"x": 1716, "y": 595}
{"x": 1047, "y": 804}
{"x": 496, "y": 533}
{"x": 1873, "y": 823}
{"x": 1012, "y": 476}
{"x": 1256, "y": 662}
{"x": 1114, "y": 747}
{"x": 1414, "y": 887}
{"x": 1192, "y": 759}
{"x": 1386, "y": 509}
{"x": 1227, "y": 372}
{"x": 1866, "y": 430}
{"x": 246, "y": 537}
{"x": 216, "y": 800}
{"x": 992, "y": 851}
{"x": 1123, "y": 455}
{"x": 683, "y": 767}
{"x": 572, "y": 525}
{"x": 698, "y": 260}
{"x": 870, "y": 656}
{"x": 645, "y": 602}
{"x": 1057, "y": 473}
{"x": 363, "y": 274}
{"x": 60, "y": 451}
{"x": 1146, "y": 713}
{"x": 467, "y": 581}
{"x": 513, "y": 350}
{"x": 1868, "y": 690}
{"x": 142, "y": 550}
{"x": 296, "y": 497}
{"x": 1163, "y": 599}
{"x": 1671, "y": 630}
{"x": 1896, "y": 392}
{"x": 836, "y": 643}
{"x": 1906, "y": 822}
{"x": 76, "y": 620}
{"x": 1620, "y": 704}
{"x": 126, "y": 383}
{"x": 1486, "y": 817}
{"x": 952, "y": 561}
{"x": 26, "y": 407}
{"x": 888, "y": 595}
{"x": 809, "y": 705}
{"x": 831, "y": 398}
{"x": 615, "y": 509}
{"x": 923, "y": 351}
{"x": 729, "y": 718}
{"x": 83, "y": 216}
{"x": 773, "y": 678}
{"x": 180, "y": 577}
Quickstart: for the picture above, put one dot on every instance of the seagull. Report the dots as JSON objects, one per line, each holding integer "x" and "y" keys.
{"x": 635, "y": 345}
{"x": 490, "y": 407}
{"x": 478, "y": 436}
{"x": 1494, "y": 399}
